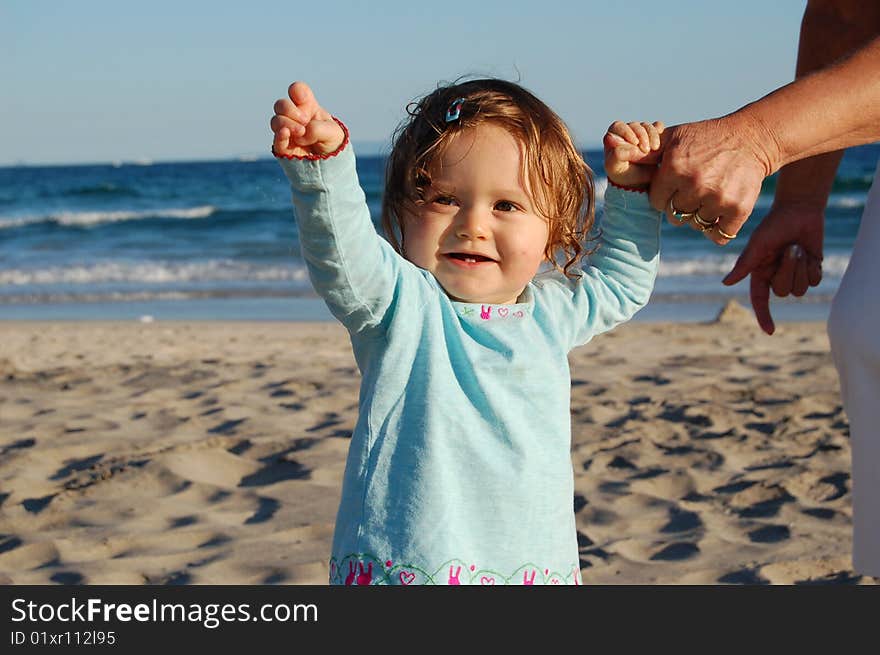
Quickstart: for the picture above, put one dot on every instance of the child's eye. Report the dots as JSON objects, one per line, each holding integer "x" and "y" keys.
{"x": 506, "y": 206}
{"x": 444, "y": 200}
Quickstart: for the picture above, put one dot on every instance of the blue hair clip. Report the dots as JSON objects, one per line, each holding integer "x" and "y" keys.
{"x": 454, "y": 110}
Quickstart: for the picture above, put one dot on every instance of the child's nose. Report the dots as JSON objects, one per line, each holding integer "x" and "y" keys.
{"x": 470, "y": 224}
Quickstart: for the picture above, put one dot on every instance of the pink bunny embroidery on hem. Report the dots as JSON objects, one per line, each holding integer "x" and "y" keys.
{"x": 362, "y": 572}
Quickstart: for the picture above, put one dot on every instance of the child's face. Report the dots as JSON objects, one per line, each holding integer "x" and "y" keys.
{"x": 478, "y": 230}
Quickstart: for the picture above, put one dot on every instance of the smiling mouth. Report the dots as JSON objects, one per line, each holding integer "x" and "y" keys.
{"x": 469, "y": 258}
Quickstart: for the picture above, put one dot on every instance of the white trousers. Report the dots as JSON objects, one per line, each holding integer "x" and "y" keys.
{"x": 854, "y": 331}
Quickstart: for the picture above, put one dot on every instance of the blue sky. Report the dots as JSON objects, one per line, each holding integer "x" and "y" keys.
{"x": 115, "y": 80}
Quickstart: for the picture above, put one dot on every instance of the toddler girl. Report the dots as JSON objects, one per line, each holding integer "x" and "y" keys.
{"x": 459, "y": 469}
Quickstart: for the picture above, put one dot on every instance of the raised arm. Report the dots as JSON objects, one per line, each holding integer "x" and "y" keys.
{"x": 620, "y": 274}
{"x": 350, "y": 265}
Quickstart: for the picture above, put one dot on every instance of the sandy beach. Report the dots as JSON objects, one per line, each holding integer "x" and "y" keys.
{"x": 213, "y": 453}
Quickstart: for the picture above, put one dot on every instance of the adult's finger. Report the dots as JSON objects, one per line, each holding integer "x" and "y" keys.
{"x": 706, "y": 217}
{"x": 663, "y": 187}
{"x": 679, "y": 203}
{"x": 782, "y": 281}
{"x": 745, "y": 264}
{"x": 799, "y": 281}
{"x": 728, "y": 227}
{"x": 814, "y": 270}
{"x": 759, "y": 293}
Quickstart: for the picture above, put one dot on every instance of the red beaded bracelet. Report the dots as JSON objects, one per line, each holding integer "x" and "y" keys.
{"x": 316, "y": 157}
{"x": 636, "y": 189}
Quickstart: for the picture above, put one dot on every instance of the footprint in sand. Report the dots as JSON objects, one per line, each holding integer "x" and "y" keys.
{"x": 648, "y": 474}
{"x": 67, "y": 578}
{"x": 583, "y": 540}
{"x": 37, "y": 505}
{"x": 182, "y": 521}
{"x": 657, "y": 380}
{"x": 843, "y": 577}
{"x": 615, "y": 488}
{"x": 743, "y": 576}
{"x": 685, "y": 414}
{"x": 675, "y": 552}
{"x": 74, "y": 465}
{"x": 752, "y": 499}
{"x": 770, "y": 534}
{"x": 621, "y": 463}
{"x": 265, "y": 511}
{"x": 21, "y": 443}
{"x": 682, "y": 521}
{"x": 820, "y": 513}
{"x": 176, "y": 578}
{"x": 277, "y": 470}
{"x": 217, "y": 540}
{"x": 227, "y": 427}
{"x": 9, "y": 542}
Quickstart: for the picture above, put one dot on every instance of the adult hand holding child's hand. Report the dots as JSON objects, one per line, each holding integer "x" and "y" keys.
{"x": 302, "y": 127}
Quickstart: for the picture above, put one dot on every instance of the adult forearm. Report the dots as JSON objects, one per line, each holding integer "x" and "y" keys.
{"x": 829, "y": 32}
{"x": 830, "y": 109}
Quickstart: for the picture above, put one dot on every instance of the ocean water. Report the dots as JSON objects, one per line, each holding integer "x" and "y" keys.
{"x": 216, "y": 240}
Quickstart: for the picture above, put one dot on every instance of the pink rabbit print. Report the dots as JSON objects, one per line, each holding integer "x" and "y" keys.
{"x": 485, "y": 312}
{"x": 454, "y": 578}
{"x": 364, "y": 578}
{"x": 349, "y": 579}
{"x": 529, "y": 580}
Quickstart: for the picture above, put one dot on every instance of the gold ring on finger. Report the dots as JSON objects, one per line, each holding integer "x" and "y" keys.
{"x": 702, "y": 222}
{"x": 680, "y": 217}
{"x": 724, "y": 234}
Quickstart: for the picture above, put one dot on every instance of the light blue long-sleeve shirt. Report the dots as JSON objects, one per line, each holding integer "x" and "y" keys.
{"x": 459, "y": 469}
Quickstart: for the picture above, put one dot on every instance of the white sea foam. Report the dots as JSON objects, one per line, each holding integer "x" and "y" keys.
{"x": 599, "y": 185}
{"x": 848, "y": 200}
{"x": 832, "y": 265}
{"x": 88, "y": 218}
{"x": 154, "y": 273}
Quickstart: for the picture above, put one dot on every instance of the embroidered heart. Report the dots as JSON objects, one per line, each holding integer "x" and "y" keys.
{"x": 518, "y": 314}
{"x": 406, "y": 577}
{"x": 487, "y": 580}
{"x": 502, "y": 312}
